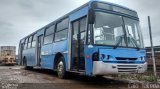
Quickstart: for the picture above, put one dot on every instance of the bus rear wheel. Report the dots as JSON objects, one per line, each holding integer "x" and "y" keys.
{"x": 25, "y": 65}
{"x": 61, "y": 68}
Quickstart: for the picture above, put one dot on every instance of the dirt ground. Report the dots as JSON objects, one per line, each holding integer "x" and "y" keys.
{"x": 15, "y": 77}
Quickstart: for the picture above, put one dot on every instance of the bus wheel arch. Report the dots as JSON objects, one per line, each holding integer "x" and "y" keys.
{"x": 60, "y": 66}
{"x": 56, "y": 59}
{"x": 25, "y": 62}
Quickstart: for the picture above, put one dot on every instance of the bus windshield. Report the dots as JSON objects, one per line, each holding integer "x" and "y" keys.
{"x": 110, "y": 29}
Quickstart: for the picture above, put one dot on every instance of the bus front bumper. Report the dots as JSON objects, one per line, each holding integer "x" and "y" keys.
{"x": 101, "y": 68}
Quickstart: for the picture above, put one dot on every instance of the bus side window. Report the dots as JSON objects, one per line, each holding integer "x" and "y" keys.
{"x": 61, "y": 35}
{"x": 83, "y": 24}
{"x": 29, "y": 42}
{"x": 49, "y": 34}
{"x": 34, "y": 41}
{"x": 64, "y": 24}
{"x": 22, "y": 42}
{"x": 25, "y": 45}
{"x": 83, "y": 30}
{"x": 75, "y": 31}
{"x": 62, "y": 30}
{"x": 48, "y": 39}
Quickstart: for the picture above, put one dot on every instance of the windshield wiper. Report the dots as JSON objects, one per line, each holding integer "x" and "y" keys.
{"x": 134, "y": 42}
{"x": 119, "y": 41}
{"x": 132, "y": 39}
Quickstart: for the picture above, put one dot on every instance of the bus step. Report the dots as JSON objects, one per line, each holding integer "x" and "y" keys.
{"x": 37, "y": 67}
{"x": 80, "y": 71}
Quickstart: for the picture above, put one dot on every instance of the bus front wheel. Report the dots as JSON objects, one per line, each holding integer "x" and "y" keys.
{"x": 61, "y": 68}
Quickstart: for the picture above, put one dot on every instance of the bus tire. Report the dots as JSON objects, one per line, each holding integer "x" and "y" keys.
{"x": 61, "y": 68}
{"x": 99, "y": 76}
{"x": 25, "y": 65}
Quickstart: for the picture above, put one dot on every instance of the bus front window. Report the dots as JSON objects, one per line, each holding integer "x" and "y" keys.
{"x": 108, "y": 29}
{"x": 133, "y": 33}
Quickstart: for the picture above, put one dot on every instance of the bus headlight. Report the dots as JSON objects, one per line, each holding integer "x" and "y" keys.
{"x": 102, "y": 57}
{"x": 142, "y": 58}
{"x": 95, "y": 56}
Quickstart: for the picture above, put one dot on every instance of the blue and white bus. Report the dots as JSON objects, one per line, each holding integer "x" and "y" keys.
{"x": 96, "y": 39}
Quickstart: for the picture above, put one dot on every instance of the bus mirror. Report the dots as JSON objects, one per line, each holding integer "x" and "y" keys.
{"x": 91, "y": 16}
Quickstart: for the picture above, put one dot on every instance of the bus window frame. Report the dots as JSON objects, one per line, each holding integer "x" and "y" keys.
{"x": 48, "y": 28}
{"x": 79, "y": 27}
{"x": 59, "y": 22}
{"x": 44, "y": 36}
{"x": 26, "y": 43}
{"x": 66, "y": 28}
{"x": 30, "y": 41}
{"x": 115, "y": 13}
{"x": 33, "y": 40}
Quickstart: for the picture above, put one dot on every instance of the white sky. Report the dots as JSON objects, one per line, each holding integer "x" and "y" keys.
{"x": 18, "y": 18}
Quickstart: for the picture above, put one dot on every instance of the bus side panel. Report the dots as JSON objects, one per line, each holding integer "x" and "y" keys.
{"x": 49, "y": 52}
{"x": 62, "y": 47}
{"x": 47, "y": 61}
{"x": 47, "y": 56}
{"x": 88, "y": 61}
{"x": 30, "y": 56}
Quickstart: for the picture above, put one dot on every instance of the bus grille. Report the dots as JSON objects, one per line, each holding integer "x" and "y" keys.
{"x": 127, "y": 68}
{"x": 131, "y": 59}
{"x": 126, "y": 60}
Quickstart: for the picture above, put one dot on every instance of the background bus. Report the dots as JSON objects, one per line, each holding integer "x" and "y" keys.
{"x": 97, "y": 38}
{"x": 8, "y": 55}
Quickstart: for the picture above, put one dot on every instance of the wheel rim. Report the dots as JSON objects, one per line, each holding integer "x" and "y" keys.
{"x": 60, "y": 68}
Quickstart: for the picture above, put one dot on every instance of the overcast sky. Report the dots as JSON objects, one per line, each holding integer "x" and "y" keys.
{"x": 19, "y": 18}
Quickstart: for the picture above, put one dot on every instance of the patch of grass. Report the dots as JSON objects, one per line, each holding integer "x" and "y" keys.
{"x": 139, "y": 77}
{"x": 151, "y": 78}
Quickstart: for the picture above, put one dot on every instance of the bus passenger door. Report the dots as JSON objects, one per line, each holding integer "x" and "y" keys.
{"x": 78, "y": 41}
{"x": 40, "y": 40}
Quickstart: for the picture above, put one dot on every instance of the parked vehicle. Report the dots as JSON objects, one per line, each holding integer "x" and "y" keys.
{"x": 8, "y": 55}
{"x": 97, "y": 38}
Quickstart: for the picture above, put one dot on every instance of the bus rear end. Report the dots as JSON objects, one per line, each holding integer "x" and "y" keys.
{"x": 116, "y": 43}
